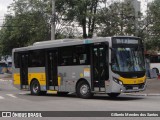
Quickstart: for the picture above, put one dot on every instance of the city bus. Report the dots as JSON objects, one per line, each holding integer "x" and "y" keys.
{"x": 155, "y": 62}
{"x": 111, "y": 65}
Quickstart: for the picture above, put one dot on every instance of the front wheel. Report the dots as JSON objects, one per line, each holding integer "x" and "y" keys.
{"x": 113, "y": 95}
{"x": 83, "y": 90}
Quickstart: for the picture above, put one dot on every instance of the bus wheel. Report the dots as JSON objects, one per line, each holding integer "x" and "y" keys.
{"x": 83, "y": 90}
{"x": 35, "y": 88}
{"x": 113, "y": 95}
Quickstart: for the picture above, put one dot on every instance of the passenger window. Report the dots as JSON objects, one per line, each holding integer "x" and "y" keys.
{"x": 16, "y": 60}
{"x": 82, "y": 54}
{"x": 74, "y": 55}
{"x": 66, "y": 57}
{"x": 37, "y": 58}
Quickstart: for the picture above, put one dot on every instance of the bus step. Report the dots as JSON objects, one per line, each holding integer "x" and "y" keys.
{"x": 51, "y": 91}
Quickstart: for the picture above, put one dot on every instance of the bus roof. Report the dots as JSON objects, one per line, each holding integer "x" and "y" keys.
{"x": 61, "y": 42}
{"x": 65, "y": 42}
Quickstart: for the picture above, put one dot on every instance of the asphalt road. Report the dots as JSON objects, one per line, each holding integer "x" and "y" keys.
{"x": 12, "y": 99}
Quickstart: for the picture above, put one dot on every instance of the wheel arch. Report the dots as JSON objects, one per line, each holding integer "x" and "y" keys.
{"x": 81, "y": 79}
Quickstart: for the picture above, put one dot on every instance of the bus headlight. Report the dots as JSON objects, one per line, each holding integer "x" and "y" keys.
{"x": 120, "y": 82}
{"x": 117, "y": 81}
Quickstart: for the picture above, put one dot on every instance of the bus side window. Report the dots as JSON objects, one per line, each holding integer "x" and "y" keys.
{"x": 83, "y": 58}
{"x": 82, "y": 53}
{"x": 74, "y": 55}
{"x": 36, "y": 58}
{"x": 65, "y": 56}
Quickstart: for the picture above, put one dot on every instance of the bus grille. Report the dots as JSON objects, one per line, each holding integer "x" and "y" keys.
{"x": 132, "y": 87}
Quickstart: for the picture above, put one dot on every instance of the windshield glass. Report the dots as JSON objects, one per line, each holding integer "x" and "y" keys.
{"x": 127, "y": 59}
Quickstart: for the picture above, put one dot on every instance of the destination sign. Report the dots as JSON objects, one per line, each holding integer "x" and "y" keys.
{"x": 125, "y": 41}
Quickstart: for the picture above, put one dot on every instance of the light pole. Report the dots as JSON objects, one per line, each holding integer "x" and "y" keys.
{"x": 53, "y": 21}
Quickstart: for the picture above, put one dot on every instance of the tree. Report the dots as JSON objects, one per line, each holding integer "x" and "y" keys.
{"x": 84, "y": 12}
{"x": 117, "y": 19}
{"x": 30, "y": 23}
{"x": 153, "y": 29}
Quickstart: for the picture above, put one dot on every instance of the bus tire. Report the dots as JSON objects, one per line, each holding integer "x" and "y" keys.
{"x": 83, "y": 90}
{"x": 113, "y": 95}
{"x": 35, "y": 88}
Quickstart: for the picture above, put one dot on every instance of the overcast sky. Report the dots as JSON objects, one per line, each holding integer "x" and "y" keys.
{"x": 3, "y": 8}
{"x": 5, "y": 3}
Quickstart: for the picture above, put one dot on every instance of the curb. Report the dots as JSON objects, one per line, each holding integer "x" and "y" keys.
{"x": 2, "y": 80}
{"x": 145, "y": 94}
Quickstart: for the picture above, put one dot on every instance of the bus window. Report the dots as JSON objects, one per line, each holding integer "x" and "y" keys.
{"x": 65, "y": 57}
{"x": 155, "y": 59}
{"x": 36, "y": 58}
{"x": 16, "y": 60}
{"x": 82, "y": 53}
{"x": 74, "y": 55}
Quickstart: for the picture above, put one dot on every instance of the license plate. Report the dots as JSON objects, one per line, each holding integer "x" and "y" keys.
{"x": 135, "y": 88}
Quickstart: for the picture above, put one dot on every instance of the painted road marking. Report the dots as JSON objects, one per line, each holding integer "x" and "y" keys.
{"x": 11, "y": 95}
{"x": 1, "y": 97}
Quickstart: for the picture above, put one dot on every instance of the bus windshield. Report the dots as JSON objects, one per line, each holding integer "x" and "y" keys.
{"x": 127, "y": 59}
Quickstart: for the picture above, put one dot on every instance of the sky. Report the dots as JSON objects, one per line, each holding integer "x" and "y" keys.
{"x": 5, "y": 3}
{"x": 3, "y": 8}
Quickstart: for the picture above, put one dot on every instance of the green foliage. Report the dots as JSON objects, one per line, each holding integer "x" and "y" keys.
{"x": 153, "y": 31}
{"x": 117, "y": 19}
{"x": 31, "y": 22}
{"x": 83, "y": 12}
{"x": 28, "y": 25}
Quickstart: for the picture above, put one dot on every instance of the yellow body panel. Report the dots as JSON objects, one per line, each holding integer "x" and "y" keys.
{"x": 59, "y": 81}
{"x": 41, "y": 77}
{"x": 133, "y": 80}
{"x": 16, "y": 79}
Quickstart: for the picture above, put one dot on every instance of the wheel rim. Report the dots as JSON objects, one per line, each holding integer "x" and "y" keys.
{"x": 35, "y": 88}
{"x": 84, "y": 89}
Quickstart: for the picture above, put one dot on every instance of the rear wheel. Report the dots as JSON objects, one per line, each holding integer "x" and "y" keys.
{"x": 35, "y": 88}
{"x": 113, "y": 95}
{"x": 83, "y": 90}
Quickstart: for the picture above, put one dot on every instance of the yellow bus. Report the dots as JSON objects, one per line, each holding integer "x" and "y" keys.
{"x": 110, "y": 65}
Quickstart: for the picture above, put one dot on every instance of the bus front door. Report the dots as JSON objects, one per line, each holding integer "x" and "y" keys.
{"x": 100, "y": 69}
{"x": 24, "y": 70}
{"x": 51, "y": 69}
